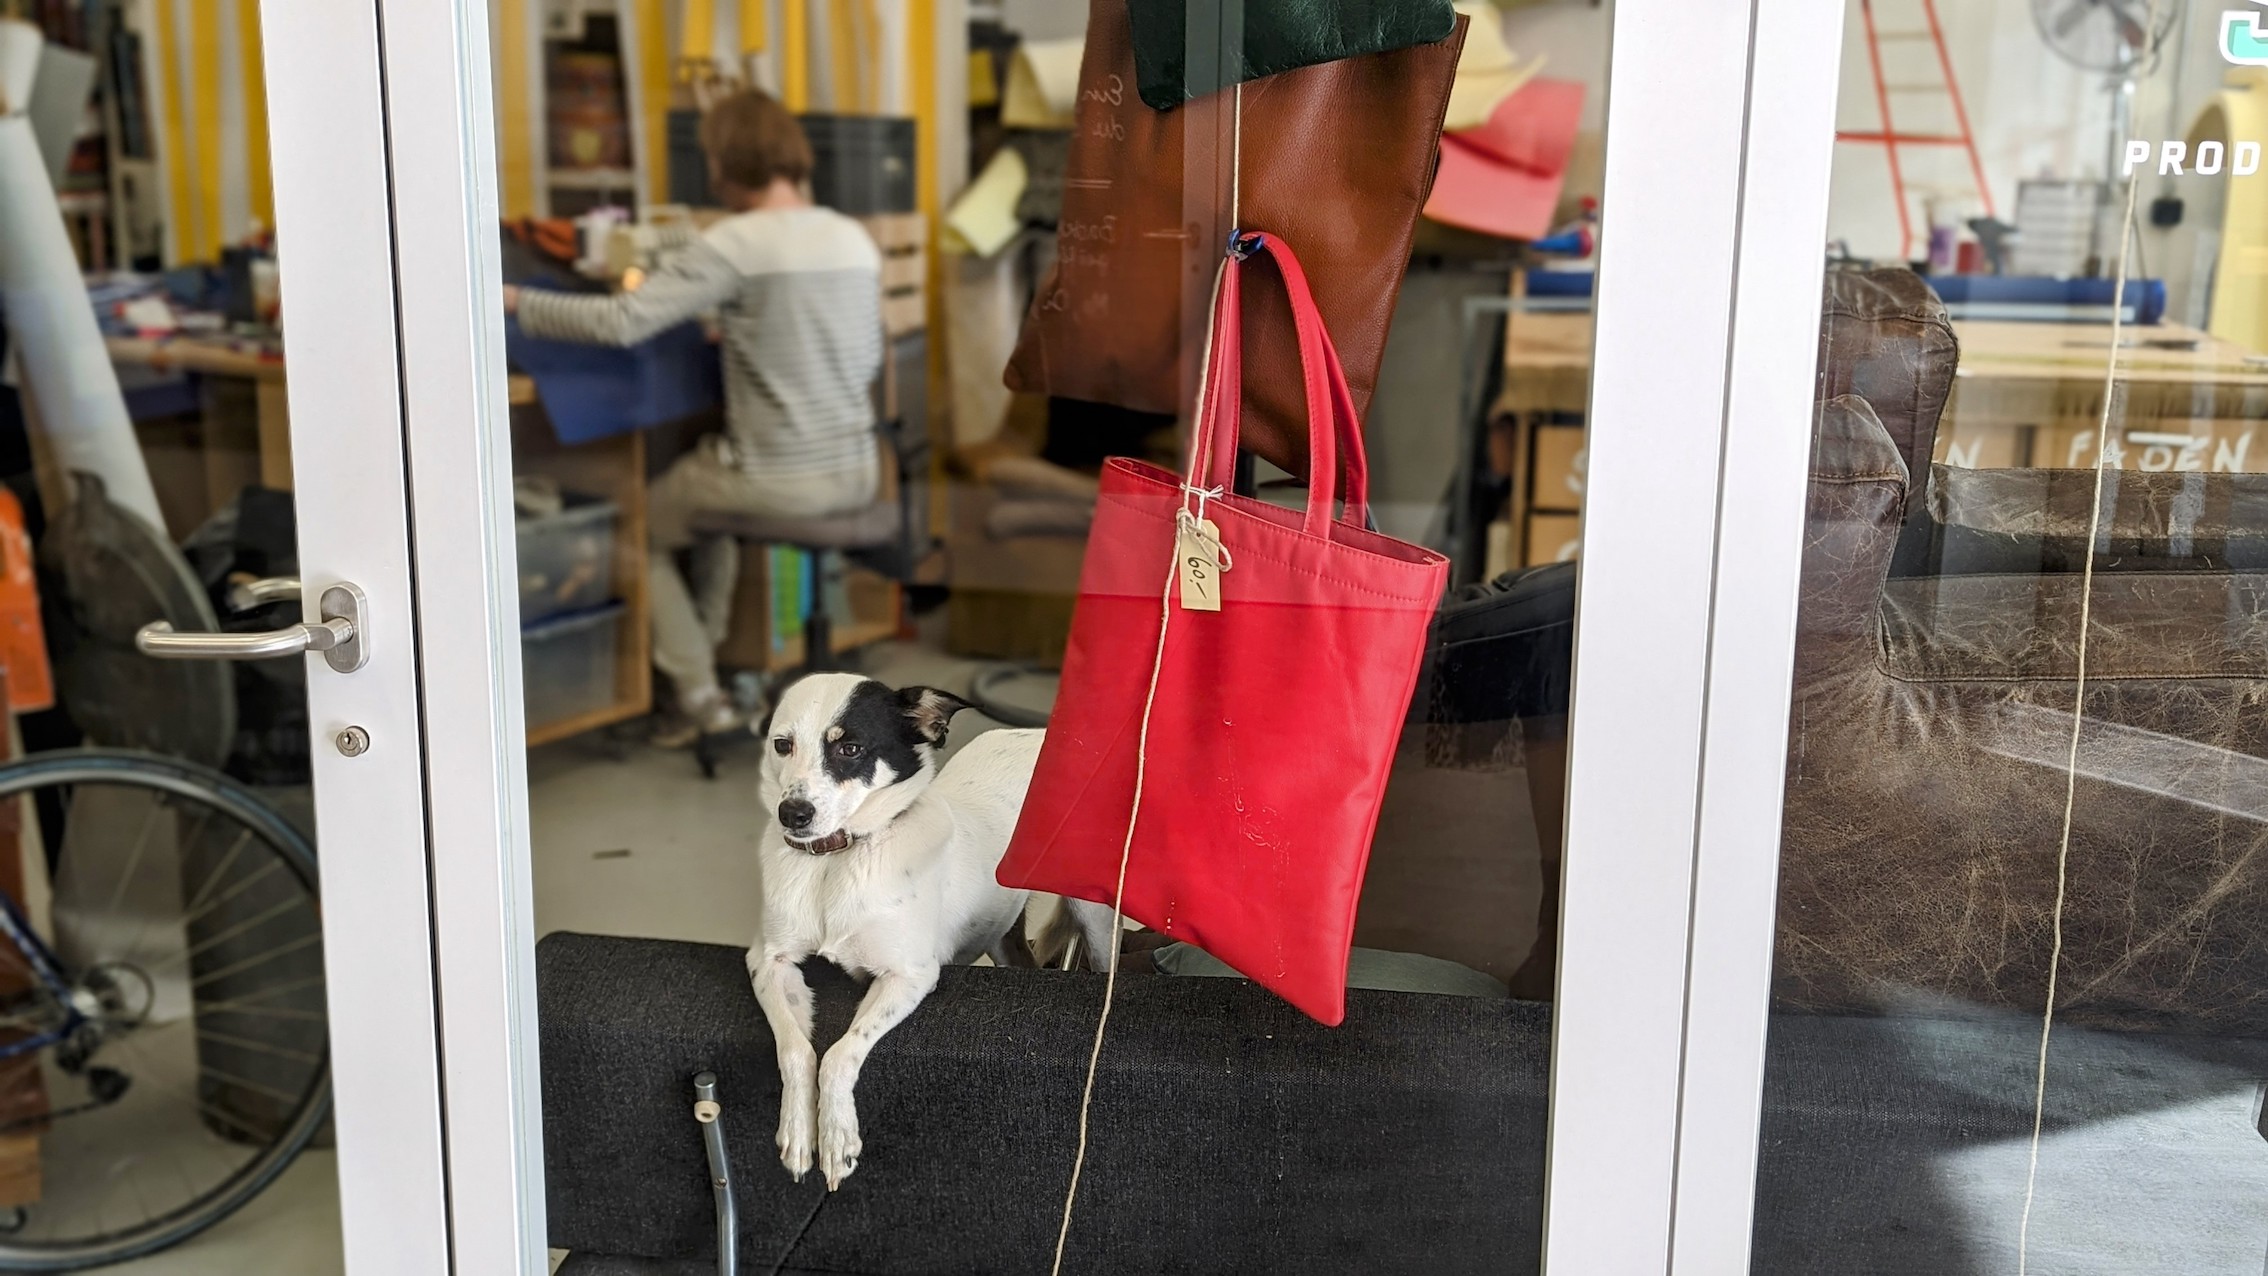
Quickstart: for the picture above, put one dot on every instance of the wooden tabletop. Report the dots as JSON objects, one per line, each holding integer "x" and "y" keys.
{"x": 213, "y": 355}
{"x": 222, "y": 358}
{"x": 2165, "y": 353}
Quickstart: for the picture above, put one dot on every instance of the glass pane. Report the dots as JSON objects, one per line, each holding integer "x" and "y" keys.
{"x": 163, "y": 1047}
{"x": 2019, "y": 983}
{"x": 840, "y": 371}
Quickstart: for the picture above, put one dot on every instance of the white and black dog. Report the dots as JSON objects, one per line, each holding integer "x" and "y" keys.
{"x": 881, "y": 863}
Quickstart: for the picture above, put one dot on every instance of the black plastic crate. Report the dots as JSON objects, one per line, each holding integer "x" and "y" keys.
{"x": 688, "y": 163}
{"x": 863, "y": 164}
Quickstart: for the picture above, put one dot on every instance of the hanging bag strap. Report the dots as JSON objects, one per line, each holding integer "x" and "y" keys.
{"x": 1334, "y": 433}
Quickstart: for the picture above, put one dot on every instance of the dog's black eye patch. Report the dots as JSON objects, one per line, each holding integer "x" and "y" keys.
{"x": 872, "y": 729}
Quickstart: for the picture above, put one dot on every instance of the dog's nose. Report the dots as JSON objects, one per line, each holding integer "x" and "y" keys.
{"x": 795, "y": 813}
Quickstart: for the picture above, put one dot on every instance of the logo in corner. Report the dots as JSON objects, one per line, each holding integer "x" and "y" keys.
{"x": 2242, "y": 40}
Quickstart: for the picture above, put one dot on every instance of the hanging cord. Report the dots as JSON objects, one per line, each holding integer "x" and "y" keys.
{"x": 1200, "y": 439}
{"x": 2127, "y": 232}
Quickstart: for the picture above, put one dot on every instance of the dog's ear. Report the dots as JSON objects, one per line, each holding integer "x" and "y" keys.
{"x": 931, "y": 711}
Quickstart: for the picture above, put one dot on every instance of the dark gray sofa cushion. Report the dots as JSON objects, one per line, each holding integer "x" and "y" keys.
{"x": 1230, "y": 1133}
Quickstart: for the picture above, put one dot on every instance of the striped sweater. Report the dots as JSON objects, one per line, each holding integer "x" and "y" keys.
{"x": 798, "y": 294}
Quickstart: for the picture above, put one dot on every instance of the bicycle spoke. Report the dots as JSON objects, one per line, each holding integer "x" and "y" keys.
{"x": 263, "y": 1012}
{"x": 134, "y": 1181}
{"x": 181, "y": 845}
{"x": 208, "y": 943}
{"x": 204, "y": 1105}
{"x": 200, "y": 914}
{"x": 246, "y": 1083}
{"x": 134, "y": 861}
{"x": 220, "y": 870}
{"x": 237, "y": 1003}
{"x": 250, "y": 962}
{"x": 246, "y": 1043}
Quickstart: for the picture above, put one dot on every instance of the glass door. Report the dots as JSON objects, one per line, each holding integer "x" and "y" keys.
{"x": 2012, "y": 977}
{"x": 827, "y": 351}
{"x": 220, "y": 1044}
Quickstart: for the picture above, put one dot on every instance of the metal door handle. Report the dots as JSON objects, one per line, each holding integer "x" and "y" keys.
{"x": 338, "y": 635}
{"x": 259, "y": 593}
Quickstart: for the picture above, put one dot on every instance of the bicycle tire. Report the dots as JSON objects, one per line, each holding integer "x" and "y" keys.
{"x": 200, "y": 784}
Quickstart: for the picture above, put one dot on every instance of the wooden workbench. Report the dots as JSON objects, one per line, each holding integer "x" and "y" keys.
{"x": 2031, "y": 394}
{"x": 2024, "y": 394}
{"x": 236, "y": 455}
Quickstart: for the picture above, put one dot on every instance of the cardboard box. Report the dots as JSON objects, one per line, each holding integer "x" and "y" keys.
{"x": 1553, "y": 538}
{"x": 1987, "y": 447}
{"x": 1561, "y": 468}
{"x": 2191, "y": 446}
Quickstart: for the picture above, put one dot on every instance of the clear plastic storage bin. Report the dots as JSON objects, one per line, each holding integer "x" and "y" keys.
{"x": 568, "y": 664}
{"x": 567, "y": 559}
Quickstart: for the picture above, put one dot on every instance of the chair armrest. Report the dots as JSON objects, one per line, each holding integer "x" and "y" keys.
{"x": 1857, "y": 500}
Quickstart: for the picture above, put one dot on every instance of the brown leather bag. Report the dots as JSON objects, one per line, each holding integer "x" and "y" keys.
{"x": 1337, "y": 160}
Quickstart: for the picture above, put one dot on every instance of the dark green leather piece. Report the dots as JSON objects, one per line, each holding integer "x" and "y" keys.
{"x": 1279, "y": 35}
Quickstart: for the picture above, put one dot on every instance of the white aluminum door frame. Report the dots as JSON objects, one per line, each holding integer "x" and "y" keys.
{"x": 1720, "y": 130}
{"x": 1699, "y": 432}
{"x": 384, "y": 161}
{"x": 335, "y": 241}
{"x": 1772, "y": 383}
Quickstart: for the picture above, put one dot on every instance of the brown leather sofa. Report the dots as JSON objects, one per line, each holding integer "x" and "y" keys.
{"x": 1938, "y": 647}
{"x": 1930, "y": 731}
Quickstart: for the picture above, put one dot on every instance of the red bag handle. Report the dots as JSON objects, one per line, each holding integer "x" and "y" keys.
{"x": 1331, "y": 419}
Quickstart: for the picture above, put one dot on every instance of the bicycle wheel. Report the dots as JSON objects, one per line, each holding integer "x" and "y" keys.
{"x": 163, "y": 1044}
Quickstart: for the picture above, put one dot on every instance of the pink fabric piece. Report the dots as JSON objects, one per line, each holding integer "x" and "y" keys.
{"x": 1505, "y": 177}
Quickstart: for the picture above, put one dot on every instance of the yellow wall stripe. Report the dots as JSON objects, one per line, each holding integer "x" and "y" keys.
{"x": 258, "y": 181}
{"x": 654, "y": 82}
{"x": 755, "y": 27}
{"x": 795, "y": 55}
{"x": 174, "y": 137}
{"x": 515, "y": 132}
{"x": 205, "y": 121}
{"x": 842, "y": 47}
{"x": 921, "y": 80}
{"x": 700, "y": 28}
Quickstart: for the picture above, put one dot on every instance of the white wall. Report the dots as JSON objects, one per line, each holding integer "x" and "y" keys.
{"x": 2033, "y": 115}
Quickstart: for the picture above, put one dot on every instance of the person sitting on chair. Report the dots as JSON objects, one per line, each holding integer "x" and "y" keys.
{"x": 798, "y": 292}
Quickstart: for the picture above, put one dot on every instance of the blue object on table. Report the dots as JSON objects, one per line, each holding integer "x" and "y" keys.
{"x": 2037, "y": 298}
{"x": 1561, "y": 283}
{"x": 591, "y": 392}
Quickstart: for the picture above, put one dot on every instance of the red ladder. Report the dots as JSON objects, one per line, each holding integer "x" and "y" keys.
{"x": 1890, "y": 139}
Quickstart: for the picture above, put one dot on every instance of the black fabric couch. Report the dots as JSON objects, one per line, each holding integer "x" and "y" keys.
{"x": 1229, "y": 1133}
{"x": 1233, "y": 1135}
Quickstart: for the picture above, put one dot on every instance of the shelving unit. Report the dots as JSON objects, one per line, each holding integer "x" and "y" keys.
{"x": 606, "y": 180}
{"x": 615, "y": 469}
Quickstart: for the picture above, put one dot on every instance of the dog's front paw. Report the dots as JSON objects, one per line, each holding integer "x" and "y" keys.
{"x": 839, "y": 1145}
{"x": 794, "y": 1139}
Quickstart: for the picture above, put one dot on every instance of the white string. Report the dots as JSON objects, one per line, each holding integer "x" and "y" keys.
{"x": 1200, "y": 449}
{"x": 2078, "y": 718}
{"x": 1117, "y": 914}
{"x": 1236, "y": 157}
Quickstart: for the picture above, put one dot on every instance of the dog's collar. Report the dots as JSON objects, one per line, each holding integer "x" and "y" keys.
{"x": 838, "y": 841}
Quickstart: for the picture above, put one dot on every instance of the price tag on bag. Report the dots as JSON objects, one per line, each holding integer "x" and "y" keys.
{"x": 1197, "y": 547}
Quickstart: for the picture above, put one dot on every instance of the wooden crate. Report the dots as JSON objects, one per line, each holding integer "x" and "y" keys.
{"x": 904, "y": 241}
{"x": 1553, "y": 538}
{"x": 1559, "y": 468}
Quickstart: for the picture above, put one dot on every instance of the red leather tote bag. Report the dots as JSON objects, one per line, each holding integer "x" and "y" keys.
{"x": 1263, "y": 729}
